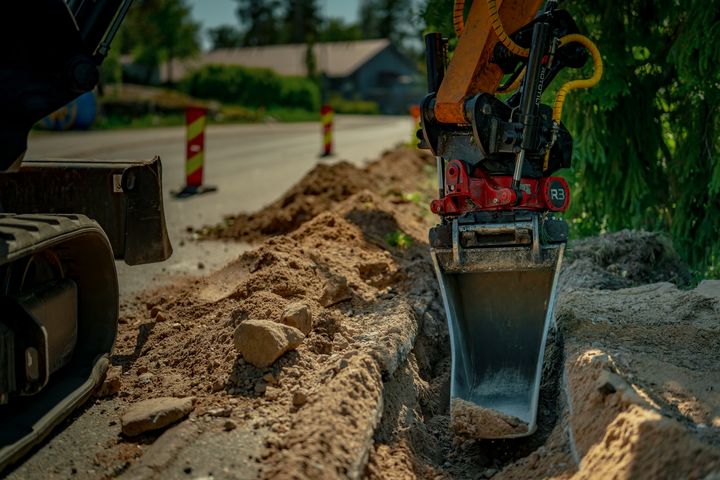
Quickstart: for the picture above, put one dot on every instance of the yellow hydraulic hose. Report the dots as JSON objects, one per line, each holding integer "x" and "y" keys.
{"x": 516, "y": 83}
{"x": 500, "y": 31}
{"x": 576, "y": 84}
{"x": 459, "y": 16}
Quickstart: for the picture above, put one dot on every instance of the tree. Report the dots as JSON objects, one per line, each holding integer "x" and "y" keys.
{"x": 336, "y": 30}
{"x": 391, "y": 19}
{"x": 301, "y": 21}
{"x": 160, "y": 30}
{"x": 260, "y": 20}
{"x": 647, "y": 138}
{"x": 225, "y": 36}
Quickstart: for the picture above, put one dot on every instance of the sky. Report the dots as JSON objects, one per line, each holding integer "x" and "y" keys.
{"x": 212, "y": 13}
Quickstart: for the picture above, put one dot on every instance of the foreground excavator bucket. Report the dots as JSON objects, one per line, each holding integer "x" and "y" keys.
{"x": 498, "y": 284}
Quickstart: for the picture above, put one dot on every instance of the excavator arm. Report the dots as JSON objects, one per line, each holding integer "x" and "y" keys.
{"x": 499, "y": 245}
{"x": 472, "y": 69}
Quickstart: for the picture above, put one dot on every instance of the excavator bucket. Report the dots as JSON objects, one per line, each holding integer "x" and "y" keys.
{"x": 498, "y": 285}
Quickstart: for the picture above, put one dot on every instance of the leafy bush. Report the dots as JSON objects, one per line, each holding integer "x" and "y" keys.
{"x": 251, "y": 87}
{"x": 358, "y": 107}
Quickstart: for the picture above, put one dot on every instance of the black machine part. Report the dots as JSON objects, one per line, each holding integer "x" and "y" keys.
{"x": 62, "y": 312}
{"x": 49, "y": 55}
{"x": 125, "y": 198}
{"x": 43, "y": 324}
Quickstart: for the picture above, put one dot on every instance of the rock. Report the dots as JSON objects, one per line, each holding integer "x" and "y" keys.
{"x": 321, "y": 344}
{"x": 154, "y": 414}
{"x": 229, "y": 425}
{"x": 220, "y": 412}
{"x": 161, "y": 316}
{"x": 709, "y": 288}
{"x": 270, "y": 378}
{"x": 297, "y": 315}
{"x": 340, "y": 343}
{"x": 146, "y": 378}
{"x": 111, "y": 384}
{"x": 260, "y": 387}
{"x": 272, "y": 393}
{"x": 218, "y": 385}
{"x": 299, "y": 398}
{"x": 336, "y": 290}
{"x": 261, "y": 342}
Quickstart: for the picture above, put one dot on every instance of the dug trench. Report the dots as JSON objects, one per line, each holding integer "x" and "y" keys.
{"x": 339, "y": 307}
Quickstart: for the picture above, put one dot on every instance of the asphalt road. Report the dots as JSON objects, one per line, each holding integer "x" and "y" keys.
{"x": 251, "y": 165}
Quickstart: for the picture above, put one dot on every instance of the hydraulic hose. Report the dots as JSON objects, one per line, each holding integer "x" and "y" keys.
{"x": 577, "y": 84}
{"x": 500, "y": 31}
{"x": 459, "y": 16}
{"x": 515, "y": 84}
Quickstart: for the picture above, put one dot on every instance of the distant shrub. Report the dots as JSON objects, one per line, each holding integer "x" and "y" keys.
{"x": 358, "y": 107}
{"x": 251, "y": 87}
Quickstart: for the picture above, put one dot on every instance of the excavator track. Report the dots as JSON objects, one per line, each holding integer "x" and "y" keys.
{"x": 59, "y": 303}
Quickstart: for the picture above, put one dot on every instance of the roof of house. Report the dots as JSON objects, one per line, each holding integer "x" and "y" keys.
{"x": 336, "y": 59}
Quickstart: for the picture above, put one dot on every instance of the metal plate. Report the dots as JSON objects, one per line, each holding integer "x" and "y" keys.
{"x": 498, "y": 319}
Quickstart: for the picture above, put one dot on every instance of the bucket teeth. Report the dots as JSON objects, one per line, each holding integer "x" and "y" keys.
{"x": 499, "y": 303}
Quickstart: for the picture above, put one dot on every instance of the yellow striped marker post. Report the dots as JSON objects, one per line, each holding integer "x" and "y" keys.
{"x": 195, "y": 121}
{"x": 326, "y": 116}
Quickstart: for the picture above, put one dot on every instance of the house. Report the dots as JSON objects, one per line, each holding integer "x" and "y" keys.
{"x": 372, "y": 70}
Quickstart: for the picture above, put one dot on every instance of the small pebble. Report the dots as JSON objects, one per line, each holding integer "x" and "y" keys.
{"x": 299, "y": 398}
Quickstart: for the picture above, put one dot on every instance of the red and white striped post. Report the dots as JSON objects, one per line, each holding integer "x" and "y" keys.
{"x": 326, "y": 117}
{"x": 195, "y": 122}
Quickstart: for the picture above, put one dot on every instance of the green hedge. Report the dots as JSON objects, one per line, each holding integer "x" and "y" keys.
{"x": 251, "y": 87}
{"x": 359, "y": 107}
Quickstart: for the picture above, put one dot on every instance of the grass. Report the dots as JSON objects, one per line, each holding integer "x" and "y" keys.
{"x": 399, "y": 239}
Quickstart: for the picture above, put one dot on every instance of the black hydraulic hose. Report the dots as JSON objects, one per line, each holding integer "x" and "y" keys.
{"x": 435, "y": 58}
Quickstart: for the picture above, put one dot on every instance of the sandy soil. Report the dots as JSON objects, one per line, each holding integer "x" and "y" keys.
{"x": 629, "y": 384}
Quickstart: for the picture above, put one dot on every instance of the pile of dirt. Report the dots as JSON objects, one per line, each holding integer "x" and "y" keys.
{"x": 638, "y": 396}
{"x": 395, "y": 175}
{"x": 622, "y": 259}
{"x": 366, "y": 392}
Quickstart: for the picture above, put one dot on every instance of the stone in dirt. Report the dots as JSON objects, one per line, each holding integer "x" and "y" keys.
{"x": 154, "y": 414}
{"x": 299, "y": 398}
{"x": 472, "y": 421}
{"x": 336, "y": 290}
{"x": 111, "y": 384}
{"x": 298, "y": 315}
{"x": 709, "y": 288}
{"x": 261, "y": 342}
